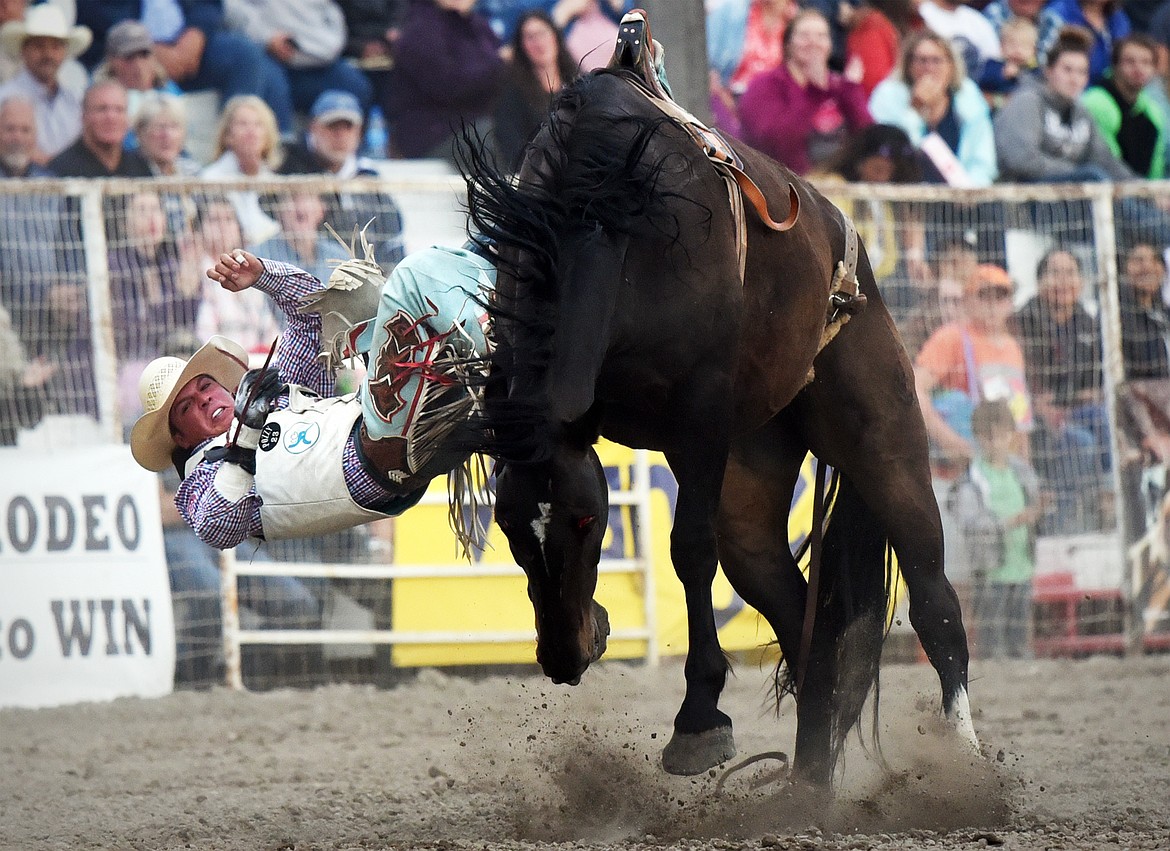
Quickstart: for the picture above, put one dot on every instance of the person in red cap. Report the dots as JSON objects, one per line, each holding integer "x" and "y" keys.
{"x": 968, "y": 361}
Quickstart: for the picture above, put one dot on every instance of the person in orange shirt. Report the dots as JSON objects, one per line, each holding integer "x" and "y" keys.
{"x": 968, "y": 361}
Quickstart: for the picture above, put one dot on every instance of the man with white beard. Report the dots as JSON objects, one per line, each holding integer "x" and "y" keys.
{"x": 18, "y": 139}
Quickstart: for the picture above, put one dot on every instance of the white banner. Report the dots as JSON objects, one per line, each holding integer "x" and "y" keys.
{"x": 85, "y": 601}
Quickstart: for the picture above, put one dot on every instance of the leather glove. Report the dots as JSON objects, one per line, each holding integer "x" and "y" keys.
{"x": 255, "y": 400}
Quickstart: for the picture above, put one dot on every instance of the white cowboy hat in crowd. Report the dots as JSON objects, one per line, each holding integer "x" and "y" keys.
{"x": 48, "y": 22}
{"x": 151, "y": 443}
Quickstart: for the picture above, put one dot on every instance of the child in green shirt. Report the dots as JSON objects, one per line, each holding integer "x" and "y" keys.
{"x": 997, "y": 504}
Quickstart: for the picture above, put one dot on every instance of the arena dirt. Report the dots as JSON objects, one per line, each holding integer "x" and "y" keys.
{"x": 1077, "y": 757}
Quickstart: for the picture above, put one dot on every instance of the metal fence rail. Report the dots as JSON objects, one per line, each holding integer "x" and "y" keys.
{"x": 636, "y": 498}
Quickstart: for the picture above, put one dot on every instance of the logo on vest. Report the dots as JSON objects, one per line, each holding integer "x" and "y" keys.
{"x": 301, "y": 437}
{"x": 269, "y": 437}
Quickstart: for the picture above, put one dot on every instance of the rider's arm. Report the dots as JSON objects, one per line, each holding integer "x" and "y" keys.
{"x": 218, "y": 500}
{"x": 296, "y": 357}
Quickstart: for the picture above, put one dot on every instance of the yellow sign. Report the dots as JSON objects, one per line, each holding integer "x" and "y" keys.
{"x": 500, "y": 605}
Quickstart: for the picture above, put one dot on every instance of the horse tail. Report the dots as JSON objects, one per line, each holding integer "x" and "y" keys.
{"x": 854, "y": 595}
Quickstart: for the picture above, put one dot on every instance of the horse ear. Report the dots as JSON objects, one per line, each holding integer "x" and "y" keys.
{"x": 590, "y": 277}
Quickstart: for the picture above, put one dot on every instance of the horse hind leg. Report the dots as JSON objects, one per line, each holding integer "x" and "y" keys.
{"x": 893, "y": 479}
{"x": 862, "y": 416}
{"x": 849, "y": 623}
{"x": 908, "y": 506}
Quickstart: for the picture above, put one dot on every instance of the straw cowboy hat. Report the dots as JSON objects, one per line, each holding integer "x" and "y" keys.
{"x": 151, "y": 443}
{"x": 48, "y": 22}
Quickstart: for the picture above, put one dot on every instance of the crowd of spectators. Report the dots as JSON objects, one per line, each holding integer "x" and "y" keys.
{"x": 1007, "y": 90}
{"x": 968, "y": 95}
{"x": 427, "y": 66}
{"x": 100, "y": 89}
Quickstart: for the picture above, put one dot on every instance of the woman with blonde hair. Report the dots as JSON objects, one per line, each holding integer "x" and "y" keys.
{"x": 933, "y": 100}
{"x": 161, "y": 129}
{"x": 247, "y": 144}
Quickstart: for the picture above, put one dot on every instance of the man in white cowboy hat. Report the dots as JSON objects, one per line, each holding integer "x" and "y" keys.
{"x": 272, "y": 453}
{"x": 44, "y": 40}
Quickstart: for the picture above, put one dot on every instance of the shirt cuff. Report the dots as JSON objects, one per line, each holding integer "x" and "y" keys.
{"x": 233, "y": 482}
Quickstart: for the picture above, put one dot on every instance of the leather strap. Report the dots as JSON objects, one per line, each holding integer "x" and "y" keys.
{"x": 816, "y": 536}
{"x": 849, "y": 282}
{"x": 722, "y": 156}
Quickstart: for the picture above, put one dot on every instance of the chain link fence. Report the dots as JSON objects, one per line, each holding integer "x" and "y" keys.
{"x": 97, "y": 278}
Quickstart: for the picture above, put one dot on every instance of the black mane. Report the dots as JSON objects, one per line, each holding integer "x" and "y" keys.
{"x": 591, "y": 168}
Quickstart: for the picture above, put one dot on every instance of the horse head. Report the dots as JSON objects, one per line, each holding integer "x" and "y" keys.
{"x": 554, "y": 514}
{"x": 561, "y": 229}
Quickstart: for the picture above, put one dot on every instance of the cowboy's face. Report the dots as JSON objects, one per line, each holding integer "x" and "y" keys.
{"x": 43, "y": 56}
{"x": 202, "y": 410}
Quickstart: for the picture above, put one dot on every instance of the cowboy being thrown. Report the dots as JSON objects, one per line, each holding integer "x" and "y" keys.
{"x": 272, "y": 453}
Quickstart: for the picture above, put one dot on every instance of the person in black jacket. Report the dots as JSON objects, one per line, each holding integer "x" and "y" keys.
{"x": 100, "y": 152}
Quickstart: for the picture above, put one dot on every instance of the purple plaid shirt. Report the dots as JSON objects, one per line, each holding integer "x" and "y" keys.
{"x": 222, "y": 523}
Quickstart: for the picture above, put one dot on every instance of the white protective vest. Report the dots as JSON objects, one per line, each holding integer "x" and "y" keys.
{"x": 299, "y": 475}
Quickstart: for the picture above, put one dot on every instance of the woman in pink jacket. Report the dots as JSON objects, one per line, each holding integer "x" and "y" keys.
{"x": 801, "y": 112}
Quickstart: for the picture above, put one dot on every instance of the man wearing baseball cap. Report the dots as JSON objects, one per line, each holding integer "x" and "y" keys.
{"x": 272, "y": 453}
{"x": 973, "y": 359}
{"x": 330, "y": 146}
{"x": 131, "y": 60}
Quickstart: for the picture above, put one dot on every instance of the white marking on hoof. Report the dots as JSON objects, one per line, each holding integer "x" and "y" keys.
{"x": 960, "y": 718}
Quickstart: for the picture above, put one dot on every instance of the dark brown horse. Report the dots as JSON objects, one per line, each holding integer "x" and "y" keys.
{"x": 620, "y": 311}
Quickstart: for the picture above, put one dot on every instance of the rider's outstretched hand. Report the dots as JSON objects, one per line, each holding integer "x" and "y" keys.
{"x": 236, "y": 270}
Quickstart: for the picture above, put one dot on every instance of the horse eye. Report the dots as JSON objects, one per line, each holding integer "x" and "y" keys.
{"x": 585, "y": 522}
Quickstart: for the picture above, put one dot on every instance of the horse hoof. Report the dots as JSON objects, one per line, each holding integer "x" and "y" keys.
{"x": 693, "y": 753}
{"x": 959, "y": 717}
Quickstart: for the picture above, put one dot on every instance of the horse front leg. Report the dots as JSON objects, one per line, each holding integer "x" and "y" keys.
{"x": 702, "y": 733}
